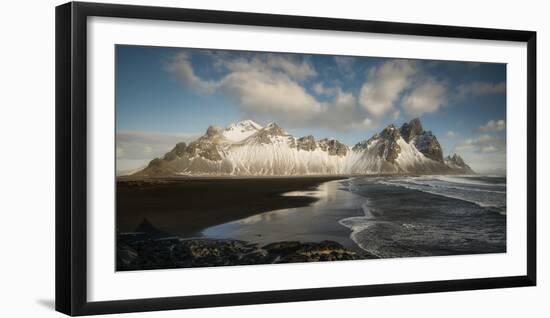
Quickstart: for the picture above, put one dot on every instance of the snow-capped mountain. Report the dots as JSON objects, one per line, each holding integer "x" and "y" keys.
{"x": 248, "y": 149}
{"x": 389, "y": 152}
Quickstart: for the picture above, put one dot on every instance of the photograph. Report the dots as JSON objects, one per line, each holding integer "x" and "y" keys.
{"x": 252, "y": 159}
{"x": 227, "y": 157}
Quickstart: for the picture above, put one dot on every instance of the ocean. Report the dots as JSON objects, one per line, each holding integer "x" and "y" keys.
{"x": 391, "y": 216}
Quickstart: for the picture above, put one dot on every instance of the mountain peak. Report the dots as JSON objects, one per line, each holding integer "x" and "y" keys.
{"x": 252, "y": 123}
{"x": 390, "y": 132}
{"x": 457, "y": 163}
{"x": 415, "y": 121}
{"x": 272, "y": 125}
{"x": 333, "y": 147}
{"x": 241, "y": 130}
{"x": 270, "y": 133}
{"x": 247, "y": 123}
{"x": 176, "y": 152}
{"x": 413, "y": 133}
{"x": 306, "y": 143}
{"x": 411, "y": 129}
{"x": 213, "y": 131}
{"x": 455, "y": 158}
{"x": 275, "y": 129}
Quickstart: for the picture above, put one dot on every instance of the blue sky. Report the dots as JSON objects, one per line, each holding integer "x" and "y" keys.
{"x": 169, "y": 94}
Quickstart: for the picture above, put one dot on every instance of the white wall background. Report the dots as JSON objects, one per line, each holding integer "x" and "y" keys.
{"x": 27, "y": 158}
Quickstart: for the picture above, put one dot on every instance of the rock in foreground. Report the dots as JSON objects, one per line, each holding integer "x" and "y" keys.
{"x": 182, "y": 253}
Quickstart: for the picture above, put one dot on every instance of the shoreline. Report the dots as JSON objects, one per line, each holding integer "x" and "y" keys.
{"x": 315, "y": 222}
{"x": 186, "y": 206}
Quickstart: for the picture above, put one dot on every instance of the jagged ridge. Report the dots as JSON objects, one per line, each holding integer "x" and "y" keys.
{"x": 247, "y": 148}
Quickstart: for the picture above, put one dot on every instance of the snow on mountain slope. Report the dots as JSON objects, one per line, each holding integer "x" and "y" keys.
{"x": 411, "y": 160}
{"x": 242, "y": 130}
{"x": 424, "y": 141}
{"x": 280, "y": 158}
{"x": 388, "y": 152}
{"x": 248, "y": 149}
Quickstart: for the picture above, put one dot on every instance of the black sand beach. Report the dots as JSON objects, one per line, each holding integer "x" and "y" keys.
{"x": 161, "y": 223}
{"x": 185, "y": 206}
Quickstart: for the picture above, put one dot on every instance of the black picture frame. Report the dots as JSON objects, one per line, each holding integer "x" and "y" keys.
{"x": 71, "y": 157}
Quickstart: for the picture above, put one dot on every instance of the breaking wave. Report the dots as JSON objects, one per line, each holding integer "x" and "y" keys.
{"x": 486, "y": 192}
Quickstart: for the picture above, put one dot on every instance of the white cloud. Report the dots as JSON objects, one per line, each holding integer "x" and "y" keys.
{"x": 489, "y": 149}
{"x": 490, "y": 163}
{"x": 286, "y": 64}
{"x": 482, "y": 144}
{"x": 341, "y": 113}
{"x": 451, "y": 134}
{"x": 396, "y": 115}
{"x": 481, "y": 88}
{"x": 272, "y": 94}
{"x": 344, "y": 100}
{"x": 299, "y": 70}
{"x": 385, "y": 84}
{"x": 367, "y": 123}
{"x": 493, "y": 125}
{"x": 345, "y": 64}
{"x": 267, "y": 87}
{"x": 264, "y": 84}
{"x": 427, "y": 97}
{"x": 321, "y": 89}
{"x": 270, "y": 87}
{"x": 183, "y": 70}
{"x": 484, "y": 153}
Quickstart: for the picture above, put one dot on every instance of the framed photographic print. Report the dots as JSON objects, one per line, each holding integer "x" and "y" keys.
{"x": 226, "y": 158}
